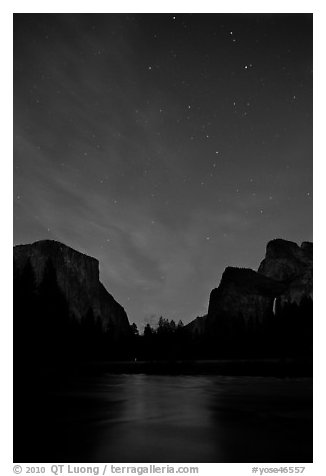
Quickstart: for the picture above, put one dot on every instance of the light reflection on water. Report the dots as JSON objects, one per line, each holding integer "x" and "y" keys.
{"x": 148, "y": 418}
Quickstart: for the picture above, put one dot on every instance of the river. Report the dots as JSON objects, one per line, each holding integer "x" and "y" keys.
{"x": 163, "y": 418}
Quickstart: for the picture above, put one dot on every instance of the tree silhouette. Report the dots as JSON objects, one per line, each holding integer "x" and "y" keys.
{"x": 24, "y": 312}
{"x": 134, "y": 329}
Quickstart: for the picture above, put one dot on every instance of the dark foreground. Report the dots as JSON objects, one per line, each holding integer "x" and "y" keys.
{"x": 288, "y": 367}
{"x": 141, "y": 417}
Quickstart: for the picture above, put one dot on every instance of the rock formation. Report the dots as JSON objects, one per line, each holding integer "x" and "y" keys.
{"x": 78, "y": 279}
{"x": 289, "y": 263}
{"x": 197, "y": 327}
{"x": 246, "y": 293}
{"x": 249, "y": 297}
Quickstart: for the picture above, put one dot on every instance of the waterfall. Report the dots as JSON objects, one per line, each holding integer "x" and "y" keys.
{"x": 274, "y": 306}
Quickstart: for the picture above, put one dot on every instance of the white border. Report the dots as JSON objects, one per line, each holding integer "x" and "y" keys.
{"x": 6, "y": 239}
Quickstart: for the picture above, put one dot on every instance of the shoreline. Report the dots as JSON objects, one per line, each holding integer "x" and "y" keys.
{"x": 231, "y": 367}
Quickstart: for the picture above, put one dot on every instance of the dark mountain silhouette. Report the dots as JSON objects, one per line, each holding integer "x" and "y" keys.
{"x": 291, "y": 264}
{"x": 62, "y": 312}
{"x": 77, "y": 277}
{"x": 251, "y": 312}
{"x": 244, "y": 292}
{"x": 60, "y": 304}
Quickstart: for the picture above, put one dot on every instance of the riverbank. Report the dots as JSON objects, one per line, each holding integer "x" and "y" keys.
{"x": 236, "y": 367}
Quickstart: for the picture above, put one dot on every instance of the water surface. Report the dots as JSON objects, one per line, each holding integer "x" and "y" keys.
{"x": 163, "y": 418}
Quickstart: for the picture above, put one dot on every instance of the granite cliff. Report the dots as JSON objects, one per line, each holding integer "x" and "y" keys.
{"x": 250, "y": 297}
{"x": 78, "y": 278}
{"x": 244, "y": 293}
{"x": 291, "y": 264}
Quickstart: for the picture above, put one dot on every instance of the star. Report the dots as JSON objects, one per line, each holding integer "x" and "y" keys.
{"x": 128, "y": 128}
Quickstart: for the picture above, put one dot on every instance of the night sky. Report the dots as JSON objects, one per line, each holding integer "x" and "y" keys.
{"x": 168, "y": 146}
